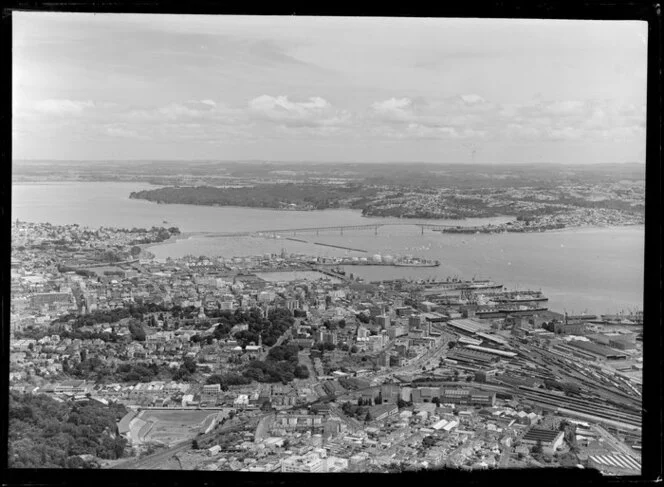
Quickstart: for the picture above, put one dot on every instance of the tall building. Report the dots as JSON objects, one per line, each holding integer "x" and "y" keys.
{"x": 383, "y": 321}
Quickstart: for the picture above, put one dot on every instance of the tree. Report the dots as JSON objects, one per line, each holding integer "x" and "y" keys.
{"x": 135, "y": 250}
{"x": 342, "y": 324}
{"x": 368, "y": 418}
{"x": 266, "y": 406}
{"x": 301, "y": 372}
{"x": 428, "y": 441}
{"x": 194, "y": 444}
{"x": 537, "y": 449}
{"x": 189, "y": 364}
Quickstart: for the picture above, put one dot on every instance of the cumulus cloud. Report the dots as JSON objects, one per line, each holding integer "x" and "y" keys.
{"x": 472, "y": 99}
{"x": 422, "y": 119}
{"x": 573, "y": 119}
{"x": 177, "y": 111}
{"x": 567, "y": 107}
{"x": 396, "y": 109}
{"x": 315, "y": 111}
{"x": 123, "y": 132}
{"x": 63, "y": 106}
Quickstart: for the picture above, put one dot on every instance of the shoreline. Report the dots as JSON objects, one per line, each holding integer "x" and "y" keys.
{"x": 172, "y": 239}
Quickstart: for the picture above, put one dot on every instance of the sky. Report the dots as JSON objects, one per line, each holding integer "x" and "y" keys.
{"x": 340, "y": 89}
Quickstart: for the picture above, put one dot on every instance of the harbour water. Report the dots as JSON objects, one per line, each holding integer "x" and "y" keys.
{"x": 595, "y": 269}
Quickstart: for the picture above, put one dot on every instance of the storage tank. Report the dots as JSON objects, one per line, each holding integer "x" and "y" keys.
{"x": 377, "y": 258}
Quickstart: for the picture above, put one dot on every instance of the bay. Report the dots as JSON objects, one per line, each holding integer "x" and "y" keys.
{"x": 598, "y": 270}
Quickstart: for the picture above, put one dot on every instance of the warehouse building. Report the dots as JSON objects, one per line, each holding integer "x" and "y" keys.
{"x": 550, "y": 439}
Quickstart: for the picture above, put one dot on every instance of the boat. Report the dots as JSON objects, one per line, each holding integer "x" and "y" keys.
{"x": 435, "y": 263}
{"x": 522, "y": 297}
{"x": 505, "y": 310}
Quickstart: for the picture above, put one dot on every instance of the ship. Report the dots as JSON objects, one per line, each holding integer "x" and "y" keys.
{"x": 522, "y": 297}
{"x": 434, "y": 263}
{"x": 458, "y": 285}
{"x": 509, "y": 309}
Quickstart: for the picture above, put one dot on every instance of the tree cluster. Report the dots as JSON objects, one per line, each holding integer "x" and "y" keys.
{"x": 355, "y": 411}
{"x": 281, "y": 365}
{"x": 278, "y": 321}
{"x": 44, "y": 433}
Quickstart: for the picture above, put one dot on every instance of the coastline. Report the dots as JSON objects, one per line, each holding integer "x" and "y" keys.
{"x": 172, "y": 239}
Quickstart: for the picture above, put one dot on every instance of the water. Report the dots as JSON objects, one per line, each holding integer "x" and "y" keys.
{"x": 595, "y": 269}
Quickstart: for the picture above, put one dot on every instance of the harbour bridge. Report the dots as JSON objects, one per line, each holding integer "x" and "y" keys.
{"x": 340, "y": 228}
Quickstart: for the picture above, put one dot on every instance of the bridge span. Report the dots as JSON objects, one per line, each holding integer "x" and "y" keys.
{"x": 317, "y": 230}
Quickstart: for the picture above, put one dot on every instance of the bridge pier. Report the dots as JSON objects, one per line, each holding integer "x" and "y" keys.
{"x": 376, "y": 230}
{"x": 317, "y": 233}
{"x": 422, "y": 228}
{"x": 342, "y": 230}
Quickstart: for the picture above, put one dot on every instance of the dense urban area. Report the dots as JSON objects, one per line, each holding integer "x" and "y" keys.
{"x": 119, "y": 360}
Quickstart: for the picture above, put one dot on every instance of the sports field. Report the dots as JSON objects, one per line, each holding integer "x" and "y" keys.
{"x": 170, "y": 427}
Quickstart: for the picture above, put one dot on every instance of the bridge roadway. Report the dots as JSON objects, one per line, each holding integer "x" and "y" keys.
{"x": 340, "y": 228}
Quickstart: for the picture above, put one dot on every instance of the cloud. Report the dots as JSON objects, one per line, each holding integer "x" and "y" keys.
{"x": 315, "y": 111}
{"x": 472, "y": 99}
{"x": 573, "y": 120}
{"x": 177, "y": 111}
{"x": 62, "y": 106}
{"x": 419, "y": 118}
{"x": 395, "y": 109}
{"x": 123, "y": 132}
{"x": 567, "y": 107}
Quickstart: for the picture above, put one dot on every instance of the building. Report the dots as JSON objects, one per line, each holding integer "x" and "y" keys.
{"x": 549, "y": 439}
{"x": 210, "y": 393}
{"x": 569, "y": 328}
{"x": 599, "y": 351}
{"x": 299, "y": 421}
{"x": 383, "y": 411}
{"x": 415, "y": 321}
{"x": 383, "y": 321}
{"x": 38, "y": 300}
{"x": 390, "y": 393}
{"x": 307, "y": 463}
{"x": 615, "y": 463}
{"x": 467, "y": 396}
{"x": 425, "y": 394}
